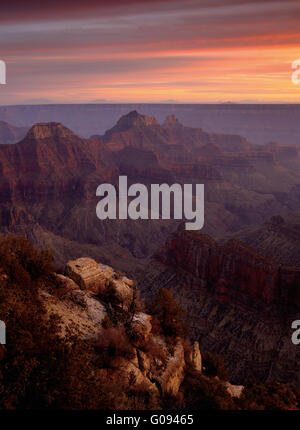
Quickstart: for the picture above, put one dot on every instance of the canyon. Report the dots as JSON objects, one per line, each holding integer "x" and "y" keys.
{"x": 48, "y": 184}
{"x": 238, "y": 278}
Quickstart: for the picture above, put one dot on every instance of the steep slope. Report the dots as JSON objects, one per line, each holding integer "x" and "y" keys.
{"x": 278, "y": 238}
{"x": 49, "y": 160}
{"x": 240, "y": 304}
{"x": 247, "y": 180}
{"x": 48, "y": 184}
{"x": 83, "y": 340}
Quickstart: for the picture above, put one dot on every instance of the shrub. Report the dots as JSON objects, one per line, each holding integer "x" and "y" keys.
{"x": 169, "y": 313}
{"x": 155, "y": 350}
{"x": 215, "y": 366}
{"x": 38, "y": 368}
{"x": 107, "y": 322}
{"x": 21, "y": 259}
{"x": 200, "y": 392}
{"x": 273, "y": 396}
{"x": 113, "y": 344}
{"x": 156, "y": 328}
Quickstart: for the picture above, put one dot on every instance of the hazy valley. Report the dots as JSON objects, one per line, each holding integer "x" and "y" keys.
{"x": 238, "y": 279}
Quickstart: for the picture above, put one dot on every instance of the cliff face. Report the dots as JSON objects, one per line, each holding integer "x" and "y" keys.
{"x": 248, "y": 180}
{"x": 51, "y": 160}
{"x": 48, "y": 185}
{"x": 278, "y": 238}
{"x": 240, "y": 304}
{"x": 232, "y": 269}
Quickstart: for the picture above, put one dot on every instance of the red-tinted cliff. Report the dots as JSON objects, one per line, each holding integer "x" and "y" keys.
{"x": 239, "y": 303}
{"x": 230, "y": 270}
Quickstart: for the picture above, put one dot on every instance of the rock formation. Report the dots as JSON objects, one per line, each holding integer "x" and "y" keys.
{"x": 239, "y": 303}
{"x": 194, "y": 357}
{"x": 82, "y": 304}
{"x": 48, "y": 182}
{"x": 278, "y": 238}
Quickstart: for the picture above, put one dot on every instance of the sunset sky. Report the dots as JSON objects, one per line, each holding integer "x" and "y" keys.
{"x": 189, "y": 51}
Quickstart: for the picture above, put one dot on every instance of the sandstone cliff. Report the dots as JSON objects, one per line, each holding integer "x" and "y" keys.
{"x": 278, "y": 238}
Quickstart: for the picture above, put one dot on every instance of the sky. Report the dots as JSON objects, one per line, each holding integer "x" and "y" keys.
{"x": 126, "y": 51}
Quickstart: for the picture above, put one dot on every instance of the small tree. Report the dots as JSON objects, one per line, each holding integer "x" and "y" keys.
{"x": 169, "y": 313}
{"x": 215, "y": 366}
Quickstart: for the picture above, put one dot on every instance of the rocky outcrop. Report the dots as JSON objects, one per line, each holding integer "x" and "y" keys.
{"x": 89, "y": 274}
{"x": 194, "y": 358}
{"x": 82, "y": 306}
{"x": 49, "y": 131}
{"x": 79, "y": 311}
{"x": 173, "y": 375}
{"x": 234, "y": 390}
{"x": 99, "y": 278}
{"x": 141, "y": 325}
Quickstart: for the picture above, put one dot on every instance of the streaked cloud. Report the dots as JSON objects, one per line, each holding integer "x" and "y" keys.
{"x": 191, "y": 51}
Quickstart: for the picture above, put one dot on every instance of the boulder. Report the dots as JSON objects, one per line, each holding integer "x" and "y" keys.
{"x": 234, "y": 390}
{"x": 97, "y": 278}
{"x": 89, "y": 274}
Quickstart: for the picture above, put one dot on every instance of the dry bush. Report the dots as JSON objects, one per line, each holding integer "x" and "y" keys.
{"x": 111, "y": 345}
{"x": 156, "y": 329}
{"x": 273, "y": 396}
{"x": 141, "y": 398}
{"x": 169, "y": 313}
{"x": 202, "y": 393}
{"x": 155, "y": 350}
{"x": 107, "y": 322}
{"x": 215, "y": 366}
{"x": 21, "y": 259}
